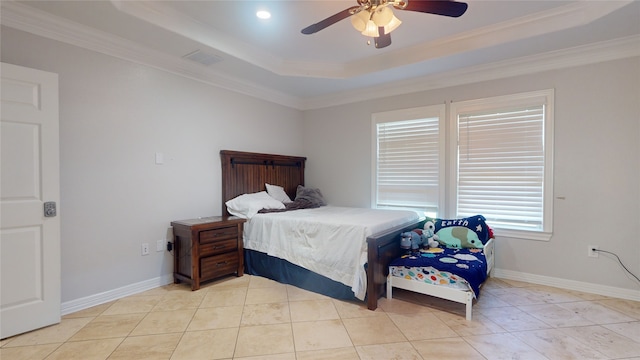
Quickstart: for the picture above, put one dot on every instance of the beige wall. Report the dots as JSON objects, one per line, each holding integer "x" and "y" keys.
{"x": 114, "y": 117}
{"x": 597, "y": 167}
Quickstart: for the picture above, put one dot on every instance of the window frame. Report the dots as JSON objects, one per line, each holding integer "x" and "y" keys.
{"x": 432, "y": 111}
{"x": 544, "y": 97}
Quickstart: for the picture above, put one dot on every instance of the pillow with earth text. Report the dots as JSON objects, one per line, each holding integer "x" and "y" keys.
{"x": 459, "y": 237}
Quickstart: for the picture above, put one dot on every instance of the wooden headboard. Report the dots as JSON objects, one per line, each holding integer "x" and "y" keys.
{"x": 245, "y": 172}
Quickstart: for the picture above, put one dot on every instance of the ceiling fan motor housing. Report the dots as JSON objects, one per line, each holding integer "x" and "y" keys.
{"x": 373, "y": 4}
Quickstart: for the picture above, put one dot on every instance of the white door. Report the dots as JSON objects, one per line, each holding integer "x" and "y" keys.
{"x": 29, "y": 177}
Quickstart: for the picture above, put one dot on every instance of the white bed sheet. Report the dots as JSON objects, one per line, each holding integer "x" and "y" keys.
{"x": 328, "y": 240}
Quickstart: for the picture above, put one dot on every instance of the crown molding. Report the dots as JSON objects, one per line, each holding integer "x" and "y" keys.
{"x": 31, "y": 20}
{"x": 581, "y": 55}
{"x": 28, "y": 19}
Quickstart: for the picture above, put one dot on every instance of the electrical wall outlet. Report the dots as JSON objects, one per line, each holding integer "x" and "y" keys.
{"x": 145, "y": 249}
{"x": 160, "y": 245}
{"x": 592, "y": 251}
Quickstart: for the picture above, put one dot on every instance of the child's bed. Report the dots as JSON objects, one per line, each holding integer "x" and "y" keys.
{"x": 455, "y": 270}
{"x": 376, "y": 239}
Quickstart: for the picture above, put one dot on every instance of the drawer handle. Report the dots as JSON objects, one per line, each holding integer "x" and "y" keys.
{"x": 215, "y": 235}
{"x": 222, "y": 263}
{"x": 219, "y": 247}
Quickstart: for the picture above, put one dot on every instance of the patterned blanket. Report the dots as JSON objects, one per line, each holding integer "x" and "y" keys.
{"x": 469, "y": 264}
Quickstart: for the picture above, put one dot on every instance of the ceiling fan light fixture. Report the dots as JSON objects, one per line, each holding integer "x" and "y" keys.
{"x": 360, "y": 20}
{"x": 371, "y": 30}
{"x": 382, "y": 16}
{"x": 392, "y": 25}
{"x": 368, "y": 22}
{"x": 375, "y": 18}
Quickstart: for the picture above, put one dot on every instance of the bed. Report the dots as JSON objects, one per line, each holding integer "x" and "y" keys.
{"x": 453, "y": 271}
{"x": 247, "y": 173}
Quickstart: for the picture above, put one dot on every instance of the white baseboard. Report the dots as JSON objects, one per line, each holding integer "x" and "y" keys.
{"x": 610, "y": 291}
{"x": 72, "y": 306}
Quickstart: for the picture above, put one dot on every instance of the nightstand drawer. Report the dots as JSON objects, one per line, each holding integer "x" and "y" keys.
{"x": 214, "y": 266}
{"x": 207, "y": 248}
{"x": 218, "y": 247}
{"x": 208, "y": 236}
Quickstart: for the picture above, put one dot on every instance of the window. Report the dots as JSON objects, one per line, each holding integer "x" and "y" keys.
{"x": 502, "y": 162}
{"x": 408, "y": 159}
{"x": 499, "y": 164}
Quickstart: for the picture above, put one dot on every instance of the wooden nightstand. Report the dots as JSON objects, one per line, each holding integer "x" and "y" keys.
{"x": 207, "y": 248}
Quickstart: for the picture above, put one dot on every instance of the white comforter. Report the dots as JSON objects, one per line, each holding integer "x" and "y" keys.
{"x": 329, "y": 240}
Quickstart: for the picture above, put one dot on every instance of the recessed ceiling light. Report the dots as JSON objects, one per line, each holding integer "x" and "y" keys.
{"x": 263, "y": 14}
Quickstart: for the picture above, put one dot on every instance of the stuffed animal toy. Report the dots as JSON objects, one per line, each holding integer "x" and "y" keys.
{"x": 430, "y": 239}
{"x": 410, "y": 240}
{"x": 405, "y": 241}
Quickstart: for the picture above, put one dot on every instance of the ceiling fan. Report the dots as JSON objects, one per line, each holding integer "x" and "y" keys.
{"x": 374, "y": 18}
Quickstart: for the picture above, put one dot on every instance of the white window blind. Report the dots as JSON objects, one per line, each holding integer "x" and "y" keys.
{"x": 408, "y": 164}
{"x": 501, "y": 166}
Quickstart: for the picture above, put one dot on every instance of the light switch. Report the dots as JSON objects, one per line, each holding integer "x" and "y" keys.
{"x": 159, "y": 158}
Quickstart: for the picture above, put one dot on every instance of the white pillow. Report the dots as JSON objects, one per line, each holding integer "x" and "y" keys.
{"x": 278, "y": 193}
{"x": 247, "y": 205}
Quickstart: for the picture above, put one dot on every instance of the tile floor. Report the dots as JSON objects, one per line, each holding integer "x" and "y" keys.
{"x": 255, "y": 318}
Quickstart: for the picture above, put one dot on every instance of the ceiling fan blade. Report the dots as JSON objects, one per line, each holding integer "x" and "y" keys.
{"x": 383, "y": 40}
{"x": 438, "y": 7}
{"x": 329, "y": 21}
